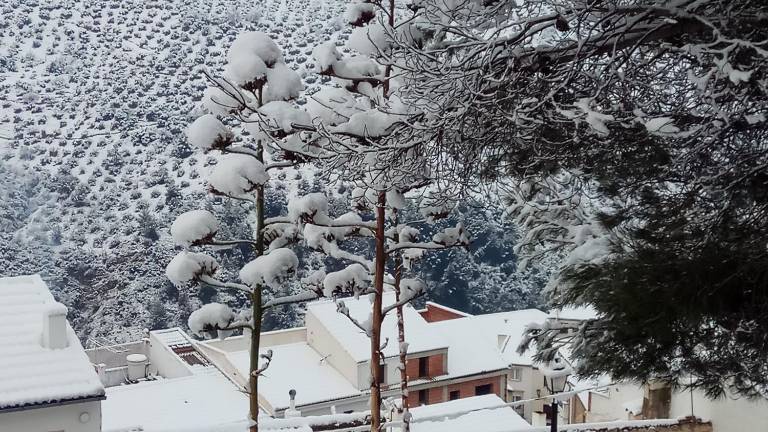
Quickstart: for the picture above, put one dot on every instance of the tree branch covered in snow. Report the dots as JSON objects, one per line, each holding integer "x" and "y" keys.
{"x": 629, "y": 139}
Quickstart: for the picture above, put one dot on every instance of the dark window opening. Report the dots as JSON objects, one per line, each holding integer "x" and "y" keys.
{"x": 454, "y": 395}
{"x": 483, "y": 389}
{"x": 423, "y": 367}
{"x": 382, "y": 373}
{"x": 422, "y": 397}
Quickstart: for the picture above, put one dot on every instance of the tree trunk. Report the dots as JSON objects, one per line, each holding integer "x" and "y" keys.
{"x": 253, "y": 378}
{"x": 403, "y": 410}
{"x": 377, "y": 318}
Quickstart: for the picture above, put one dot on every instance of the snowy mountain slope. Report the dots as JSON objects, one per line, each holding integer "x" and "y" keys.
{"x": 94, "y": 98}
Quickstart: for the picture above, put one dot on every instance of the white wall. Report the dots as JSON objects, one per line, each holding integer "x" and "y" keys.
{"x": 243, "y": 342}
{"x": 350, "y": 404}
{"x": 609, "y": 405}
{"x": 63, "y": 418}
{"x": 321, "y": 340}
{"x": 164, "y": 361}
{"x": 530, "y": 381}
{"x": 726, "y": 414}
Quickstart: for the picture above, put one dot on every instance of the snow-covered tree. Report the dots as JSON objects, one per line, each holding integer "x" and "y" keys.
{"x": 257, "y": 82}
{"x": 634, "y": 135}
{"x": 347, "y": 131}
{"x": 310, "y": 222}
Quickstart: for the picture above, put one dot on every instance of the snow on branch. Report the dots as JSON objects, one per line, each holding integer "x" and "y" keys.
{"x": 207, "y": 133}
{"x": 194, "y": 227}
{"x": 359, "y": 13}
{"x": 303, "y": 296}
{"x": 211, "y": 318}
{"x": 237, "y": 175}
{"x": 366, "y": 326}
{"x": 267, "y": 356}
{"x": 310, "y": 208}
{"x": 352, "y": 279}
{"x": 190, "y": 266}
{"x": 449, "y": 237}
{"x": 281, "y": 118}
{"x": 410, "y": 289}
{"x": 249, "y": 58}
{"x": 223, "y": 97}
{"x": 270, "y": 269}
{"x": 206, "y": 279}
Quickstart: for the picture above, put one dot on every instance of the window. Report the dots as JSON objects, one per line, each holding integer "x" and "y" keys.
{"x": 516, "y": 373}
{"x": 423, "y": 367}
{"x": 483, "y": 389}
{"x": 382, "y": 373}
{"x": 515, "y": 397}
{"x": 423, "y": 397}
{"x": 454, "y": 395}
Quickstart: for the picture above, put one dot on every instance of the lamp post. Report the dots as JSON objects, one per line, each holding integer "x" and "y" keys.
{"x": 555, "y": 378}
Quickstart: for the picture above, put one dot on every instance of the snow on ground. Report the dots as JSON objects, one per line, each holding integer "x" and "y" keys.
{"x": 481, "y": 413}
{"x": 197, "y": 401}
{"x": 485, "y": 415}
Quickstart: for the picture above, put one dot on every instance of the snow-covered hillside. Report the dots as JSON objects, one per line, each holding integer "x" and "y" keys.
{"x": 94, "y": 97}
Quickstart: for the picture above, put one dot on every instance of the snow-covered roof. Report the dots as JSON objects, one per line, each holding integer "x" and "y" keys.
{"x": 296, "y": 366}
{"x": 482, "y": 413}
{"x": 476, "y": 334}
{"x": 485, "y": 414}
{"x": 419, "y": 335}
{"x": 196, "y": 401}
{"x": 29, "y": 373}
{"x": 470, "y": 351}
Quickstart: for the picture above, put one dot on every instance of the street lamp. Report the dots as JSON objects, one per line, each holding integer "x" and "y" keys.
{"x": 555, "y": 378}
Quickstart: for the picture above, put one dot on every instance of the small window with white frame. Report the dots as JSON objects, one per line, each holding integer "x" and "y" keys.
{"x": 517, "y": 396}
{"x": 516, "y": 373}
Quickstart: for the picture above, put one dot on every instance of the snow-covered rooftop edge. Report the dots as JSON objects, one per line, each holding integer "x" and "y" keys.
{"x": 32, "y": 375}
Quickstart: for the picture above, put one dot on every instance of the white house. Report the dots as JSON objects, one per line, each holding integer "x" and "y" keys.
{"x": 182, "y": 389}
{"x": 47, "y": 383}
{"x": 630, "y": 401}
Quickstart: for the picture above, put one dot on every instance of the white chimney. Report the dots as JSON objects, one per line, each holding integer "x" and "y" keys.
{"x": 55, "y": 326}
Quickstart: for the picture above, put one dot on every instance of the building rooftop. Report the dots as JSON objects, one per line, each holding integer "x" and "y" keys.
{"x": 358, "y": 345}
{"x": 31, "y": 374}
{"x": 480, "y": 413}
{"x": 296, "y": 366}
{"x": 202, "y": 401}
{"x": 472, "y": 335}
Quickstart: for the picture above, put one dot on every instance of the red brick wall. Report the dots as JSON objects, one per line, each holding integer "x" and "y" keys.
{"x": 434, "y": 395}
{"x": 435, "y": 366}
{"x": 412, "y": 368}
{"x": 467, "y": 388}
{"x": 436, "y": 363}
{"x": 434, "y": 313}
